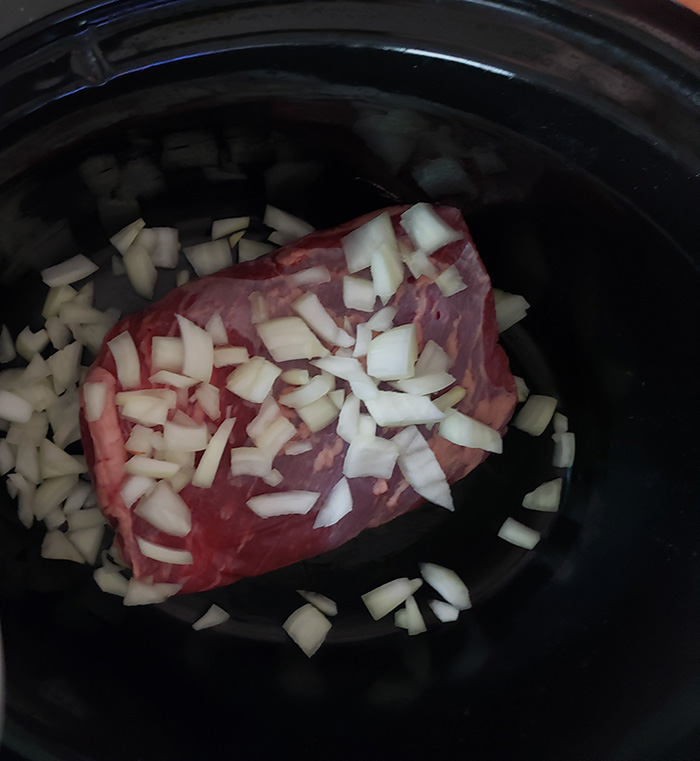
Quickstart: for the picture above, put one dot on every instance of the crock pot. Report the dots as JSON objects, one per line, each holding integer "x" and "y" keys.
{"x": 575, "y": 127}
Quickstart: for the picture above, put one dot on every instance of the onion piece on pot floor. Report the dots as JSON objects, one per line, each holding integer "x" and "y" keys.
{"x": 337, "y": 505}
{"x": 466, "y": 432}
{"x": 163, "y": 554}
{"x": 545, "y": 497}
{"x": 143, "y": 593}
{"x": 516, "y": 533}
{"x": 111, "y": 583}
{"x": 370, "y": 456}
{"x": 510, "y": 309}
{"x": 448, "y": 584}
{"x": 57, "y": 546}
{"x": 214, "y": 616}
{"x": 421, "y": 468}
{"x": 165, "y": 510}
{"x": 308, "y": 628}
{"x": 385, "y": 598}
{"x": 564, "y": 449}
{"x": 361, "y": 242}
{"x": 209, "y": 463}
{"x": 534, "y": 416}
{"x": 410, "y": 617}
{"x": 65, "y": 273}
{"x": 444, "y": 611}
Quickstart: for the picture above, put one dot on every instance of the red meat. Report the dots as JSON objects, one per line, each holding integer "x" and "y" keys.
{"x": 228, "y": 541}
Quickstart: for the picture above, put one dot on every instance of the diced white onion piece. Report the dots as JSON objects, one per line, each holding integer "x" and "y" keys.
{"x": 13, "y": 408}
{"x": 426, "y": 229}
{"x": 165, "y": 248}
{"x": 184, "y": 459}
{"x": 288, "y": 338}
{"x": 295, "y": 377}
{"x": 523, "y": 390}
{"x": 393, "y": 409}
{"x": 87, "y": 541}
{"x": 181, "y": 479}
{"x": 91, "y": 336}
{"x": 253, "y": 380}
{"x": 209, "y": 463}
{"x": 448, "y": 584}
{"x": 274, "y": 436}
{"x": 433, "y": 359}
{"x": 424, "y": 384}
{"x": 346, "y": 368}
{"x": 273, "y": 477}
{"x": 79, "y": 497}
{"x": 126, "y": 358}
{"x": 86, "y": 295}
{"x": 65, "y": 273}
{"x": 370, "y": 456}
{"x": 337, "y": 505}
{"x": 213, "y": 617}
{"x": 382, "y": 320}
{"x": 450, "y": 281}
{"x": 111, "y": 583}
{"x": 522, "y": 536}
{"x": 410, "y": 617}
{"x": 57, "y": 546}
{"x": 450, "y": 398}
{"x": 7, "y": 458}
{"x": 166, "y": 395}
{"x": 337, "y": 396}
{"x": 283, "y": 503}
{"x": 55, "y": 461}
{"x": 387, "y": 272}
{"x": 366, "y": 425}
{"x": 250, "y": 461}
{"x": 169, "y": 378}
{"x": 135, "y": 487}
{"x": 220, "y": 228}
{"x": 349, "y": 419}
{"x": 209, "y": 257}
{"x": 535, "y": 415}
{"x": 327, "y": 606}
{"x": 564, "y": 449}
{"x": 143, "y": 593}
{"x": 419, "y": 264}
{"x": 510, "y": 308}
{"x": 164, "y": 554}
{"x": 281, "y": 239}
{"x": 443, "y": 611}
{"x": 358, "y": 293}
{"x": 217, "y": 330}
{"x": 545, "y": 497}
{"x": 59, "y": 333}
{"x": 318, "y": 414}
{"x": 182, "y": 277}
{"x": 140, "y": 270}
{"x": 28, "y": 343}
{"x": 167, "y": 353}
{"x": 421, "y": 468}
{"x": 165, "y": 510}
{"x": 258, "y": 308}
{"x": 7, "y": 346}
{"x": 293, "y": 227}
{"x": 310, "y": 276}
{"x": 310, "y": 309}
{"x": 269, "y": 412}
{"x": 363, "y": 337}
{"x": 298, "y": 447}
{"x": 151, "y": 468}
{"x": 466, "y": 432}
{"x": 560, "y": 423}
{"x": 127, "y": 235}
{"x": 185, "y": 438}
{"x": 140, "y": 441}
{"x": 392, "y": 355}
{"x": 359, "y": 245}
{"x": 27, "y": 462}
{"x": 225, "y": 356}
{"x": 235, "y": 238}
{"x": 308, "y": 628}
{"x": 248, "y": 249}
{"x": 198, "y": 350}
{"x": 65, "y": 366}
{"x": 387, "y": 597}
{"x": 147, "y": 410}
{"x": 51, "y": 492}
{"x": 37, "y": 369}
{"x": 55, "y": 298}
{"x": 317, "y": 387}
{"x": 208, "y": 398}
{"x": 18, "y": 486}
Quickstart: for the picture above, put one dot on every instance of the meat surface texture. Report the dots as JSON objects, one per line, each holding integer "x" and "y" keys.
{"x": 228, "y": 540}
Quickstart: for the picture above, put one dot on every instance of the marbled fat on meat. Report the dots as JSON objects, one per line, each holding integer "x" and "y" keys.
{"x": 228, "y": 540}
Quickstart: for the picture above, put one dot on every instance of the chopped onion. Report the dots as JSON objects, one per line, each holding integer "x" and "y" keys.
{"x": 181, "y": 479}
{"x": 545, "y": 497}
{"x": 28, "y": 343}
{"x": 421, "y": 468}
{"x": 253, "y": 380}
{"x": 283, "y": 503}
{"x": 165, "y": 510}
{"x": 209, "y": 464}
{"x": 65, "y": 273}
{"x": 387, "y": 272}
{"x": 208, "y": 398}
{"x": 118, "y": 267}
{"x": 248, "y": 249}
{"x": 59, "y": 332}
{"x": 141, "y": 440}
{"x": 213, "y": 617}
{"x": 450, "y": 281}
{"x": 535, "y": 414}
{"x": 319, "y": 414}
{"x": 50, "y": 494}
{"x": 450, "y": 398}
{"x": 424, "y": 384}
{"x": 370, "y": 456}
{"x": 366, "y": 425}
{"x": 145, "y": 409}
{"x": 182, "y": 277}
{"x": 184, "y": 459}
{"x": 310, "y": 309}
{"x": 288, "y": 338}
{"x": 79, "y": 496}
{"x": 308, "y": 628}
{"x": 258, "y": 308}
{"x": 169, "y": 378}
{"x": 140, "y": 270}
{"x": 327, "y": 606}
{"x": 410, "y": 617}
{"x": 295, "y": 377}
{"x": 127, "y": 235}
{"x": 273, "y": 478}
{"x": 167, "y": 353}
{"x": 466, "y": 432}
{"x": 65, "y": 366}
{"x": 143, "y": 593}
{"x": 510, "y": 308}
{"x": 111, "y": 583}
{"x": 384, "y": 599}
{"x": 147, "y": 466}
{"x": 164, "y": 252}
{"x": 349, "y": 418}
{"x": 443, "y": 611}
{"x": 433, "y": 359}
{"x": 393, "y": 409}
{"x": 382, "y": 320}
{"x": 27, "y": 462}
{"x": 419, "y": 264}
{"x": 220, "y": 228}
{"x": 198, "y": 350}
{"x": 55, "y": 461}
{"x": 185, "y": 438}
{"x": 521, "y": 386}
{"x": 126, "y": 358}
{"x": 269, "y": 412}
{"x": 274, "y": 436}
{"x": 522, "y": 536}
{"x": 57, "y": 546}
{"x": 448, "y": 584}
{"x": 363, "y": 339}
{"x": 207, "y": 258}
{"x": 359, "y": 245}
{"x": 292, "y": 227}
{"x": 164, "y": 554}
{"x": 564, "y": 449}
{"x": 392, "y": 355}
{"x": 426, "y": 229}
{"x": 225, "y": 356}
{"x": 317, "y": 387}
{"x": 217, "y": 330}
{"x": 135, "y": 487}
{"x": 7, "y": 458}
{"x": 349, "y": 369}
{"x": 310, "y": 276}
{"x": 18, "y": 486}
{"x": 166, "y": 395}
{"x": 55, "y": 298}
{"x": 298, "y": 447}
{"x": 87, "y": 541}
{"x": 250, "y": 461}
{"x": 560, "y": 423}
{"x": 7, "y": 346}
{"x": 337, "y": 505}
{"x": 337, "y": 396}
{"x": 359, "y": 293}
{"x": 14, "y": 408}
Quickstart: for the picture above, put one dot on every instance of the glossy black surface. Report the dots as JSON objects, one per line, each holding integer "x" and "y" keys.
{"x": 586, "y": 648}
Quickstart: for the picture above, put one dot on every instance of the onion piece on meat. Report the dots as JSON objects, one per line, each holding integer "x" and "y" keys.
{"x": 426, "y": 229}
{"x": 214, "y": 616}
{"x": 337, "y": 505}
{"x": 317, "y": 387}
{"x": 217, "y": 330}
{"x": 433, "y": 359}
{"x": 165, "y": 510}
{"x": 349, "y": 418}
{"x": 142, "y": 593}
{"x": 370, "y": 456}
{"x": 349, "y": 369}
{"x": 295, "y": 377}
{"x": 522, "y": 536}
{"x": 250, "y": 461}
{"x": 283, "y": 503}
{"x": 292, "y": 227}
{"x": 207, "y": 258}
{"x": 169, "y": 378}
{"x": 298, "y": 447}
{"x": 164, "y": 554}
{"x": 315, "y": 315}
{"x": 185, "y": 438}
{"x": 564, "y": 449}
{"x": 327, "y": 606}
{"x": 308, "y": 628}
{"x": 444, "y": 612}
{"x": 419, "y": 263}
{"x": 198, "y": 350}
{"x": 288, "y": 338}
{"x": 359, "y": 245}
{"x": 146, "y": 410}
{"x": 363, "y": 338}
{"x": 253, "y": 380}
{"x": 319, "y": 414}
{"x": 387, "y": 272}
{"x": 29, "y": 343}
{"x": 450, "y": 282}
{"x": 337, "y": 396}
{"x": 545, "y": 497}
{"x": 127, "y": 235}
{"x": 225, "y": 356}
{"x": 258, "y": 308}
{"x": 167, "y": 353}
{"x": 382, "y": 320}
{"x": 209, "y": 464}
{"x": 392, "y": 355}
{"x": 521, "y": 386}
{"x": 359, "y": 293}
{"x": 450, "y": 398}
{"x": 208, "y": 397}
{"x": 382, "y": 600}
{"x": 274, "y": 436}
{"x": 310, "y": 276}
{"x": 141, "y": 440}
{"x": 535, "y": 415}
{"x": 147, "y": 466}
{"x": 410, "y": 617}
{"x": 126, "y": 358}
{"x": 393, "y": 409}
{"x": 423, "y": 385}
{"x": 135, "y": 487}
{"x": 448, "y": 584}
{"x": 510, "y": 308}
{"x": 421, "y": 468}
{"x": 466, "y": 432}
{"x": 76, "y": 268}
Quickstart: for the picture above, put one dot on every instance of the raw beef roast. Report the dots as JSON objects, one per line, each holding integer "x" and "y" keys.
{"x": 202, "y": 536}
